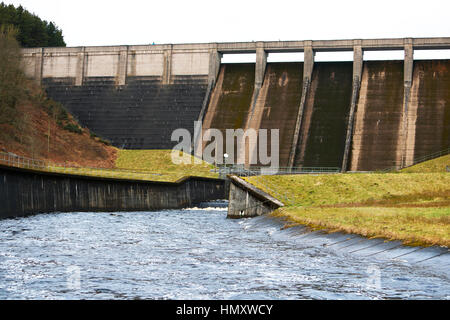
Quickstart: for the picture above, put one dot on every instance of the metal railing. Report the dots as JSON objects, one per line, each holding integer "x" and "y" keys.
{"x": 432, "y": 156}
{"x": 13, "y": 160}
{"x": 418, "y": 160}
{"x": 258, "y": 171}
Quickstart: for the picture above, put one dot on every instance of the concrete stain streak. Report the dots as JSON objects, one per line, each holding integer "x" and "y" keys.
{"x": 212, "y": 106}
{"x": 413, "y": 107}
{"x": 306, "y": 122}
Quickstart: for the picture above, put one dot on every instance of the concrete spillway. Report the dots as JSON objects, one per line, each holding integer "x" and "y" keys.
{"x": 360, "y": 115}
{"x": 376, "y": 139}
{"x": 322, "y": 137}
{"x": 228, "y": 108}
{"x": 429, "y": 109}
{"x": 230, "y": 99}
{"x": 277, "y": 104}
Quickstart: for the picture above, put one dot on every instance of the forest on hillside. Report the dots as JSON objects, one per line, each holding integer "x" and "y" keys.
{"x": 34, "y": 126}
{"x": 32, "y": 31}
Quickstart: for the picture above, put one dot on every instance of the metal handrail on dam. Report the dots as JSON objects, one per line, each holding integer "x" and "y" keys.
{"x": 14, "y": 160}
{"x": 257, "y": 171}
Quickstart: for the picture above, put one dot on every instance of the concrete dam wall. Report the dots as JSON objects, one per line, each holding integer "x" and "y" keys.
{"x": 277, "y": 104}
{"x": 141, "y": 115}
{"x": 230, "y": 100}
{"x": 325, "y": 118}
{"x": 378, "y": 120}
{"x": 133, "y": 96}
{"x": 429, "y": 111}
{"x": 359, "y": 116}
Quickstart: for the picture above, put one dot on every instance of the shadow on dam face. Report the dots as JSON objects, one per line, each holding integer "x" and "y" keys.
{"x": 278, "y": 103}
{"x": 430, "y": 107}
{"x": 325, "y": 117}
{"x": 231, "y": 98}
{"x": 378, "y": 119}
{"x": 276, "y": 106}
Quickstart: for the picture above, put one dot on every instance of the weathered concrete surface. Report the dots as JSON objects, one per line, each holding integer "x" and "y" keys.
{"x": 246, "y": 200}
{"x": 24, "y": 192}
{"x": 278, "y": 103}
{"x": 116, "y": 61}
{"x": 137, "y": 95}
{"x": 378, "y": 124}
{"x": 429, "y": 111}
{"x": 324, "y": 125}
{"x": 139, "y": 115}
{"x": 369, "y": 250}
{"x": 308, "y": 67}
{"x": 230, "y": 101}
{"x": 408, "y": 66}
{"x": 357, "y": 72}
{"x": 184, "y": 59}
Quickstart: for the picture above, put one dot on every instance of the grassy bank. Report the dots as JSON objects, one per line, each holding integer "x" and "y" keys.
{"x": 160, "y": 161}
{"x": 411, "y": 207}
{"x": 152, "y": 165}
{"x": 435, "y": 165}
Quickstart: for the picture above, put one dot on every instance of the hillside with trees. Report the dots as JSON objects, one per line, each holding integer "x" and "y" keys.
{"x": 34, "y": 126}
{"x": 31, "y": 30}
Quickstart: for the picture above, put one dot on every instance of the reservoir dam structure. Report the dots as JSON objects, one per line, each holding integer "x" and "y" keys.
{"x": 358, "y": 116}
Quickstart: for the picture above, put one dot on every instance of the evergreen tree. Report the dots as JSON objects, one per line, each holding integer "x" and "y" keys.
{"x": 32, "y": 31}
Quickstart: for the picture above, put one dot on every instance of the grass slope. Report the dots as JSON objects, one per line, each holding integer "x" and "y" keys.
{"x": 149, "y": 165}
{"x": 160, "y": 162}
{"x": 411, "y": 207}
{"x": 435, "y": 165}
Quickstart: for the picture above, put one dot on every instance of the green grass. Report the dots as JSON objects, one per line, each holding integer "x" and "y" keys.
{"x": 435, "y": 165}
{"x": 113, "y": 173}
{"x": 160, "y": 162}
{"x": 149, "y": 165}
{"x": 314, "y": 190}
{"x": 411, "y": 207}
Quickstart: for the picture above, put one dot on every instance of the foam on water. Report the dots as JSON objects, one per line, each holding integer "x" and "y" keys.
{"x": 195, "y": 254}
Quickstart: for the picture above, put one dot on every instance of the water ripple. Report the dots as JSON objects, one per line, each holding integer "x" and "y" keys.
{"x": 190, "y": 254}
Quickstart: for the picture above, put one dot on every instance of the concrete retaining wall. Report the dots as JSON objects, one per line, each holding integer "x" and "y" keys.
{"x": 24, "y": 192}
{"x": 247, "y": 201}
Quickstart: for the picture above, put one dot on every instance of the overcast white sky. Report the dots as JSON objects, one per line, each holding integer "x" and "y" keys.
{"x": 113, "y": 22}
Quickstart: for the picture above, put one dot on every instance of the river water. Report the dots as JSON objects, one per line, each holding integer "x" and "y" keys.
{"x": 191, "y": 254}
